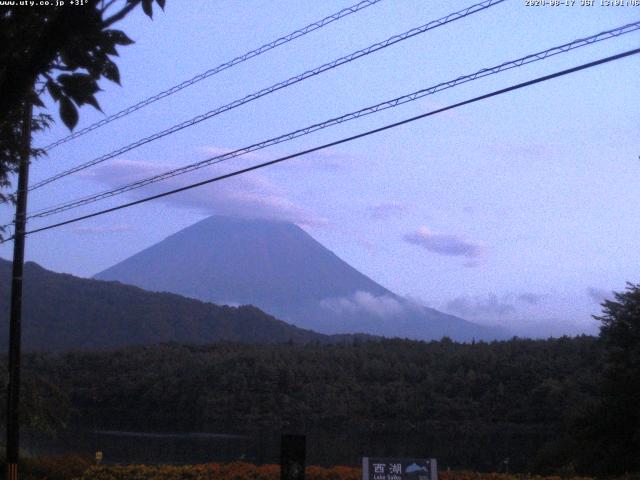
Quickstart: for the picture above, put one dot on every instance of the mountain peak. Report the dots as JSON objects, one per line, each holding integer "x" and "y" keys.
{"x": 240, "y": 260}
{"x": 281, "y": 269}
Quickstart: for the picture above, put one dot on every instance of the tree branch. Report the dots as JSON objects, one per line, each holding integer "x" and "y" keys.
{"x": 107, "y": 6}
{"x": 121, "y": 14}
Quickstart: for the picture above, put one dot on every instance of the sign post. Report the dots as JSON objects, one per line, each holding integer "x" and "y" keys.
{"x": 293, "y": 456}
{"x": 378, "y": 468}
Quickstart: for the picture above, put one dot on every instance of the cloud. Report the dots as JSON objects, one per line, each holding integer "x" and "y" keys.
{"x": 385, "y": 211}
{"x": 445, "y": 244}
{"x": 472, "y": 307}
{"x": 531, "y": 298}
{"x": 228, "y": 303}
{"x": 97, "y": 230}
{"x": 365, "y": 302}
{"x": 492, "y": 305}
{"x": 247, "y": 195}
{"x": 599, "y": 295}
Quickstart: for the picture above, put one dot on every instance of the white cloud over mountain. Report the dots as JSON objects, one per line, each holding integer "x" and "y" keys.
{"x": 247, "y": 195}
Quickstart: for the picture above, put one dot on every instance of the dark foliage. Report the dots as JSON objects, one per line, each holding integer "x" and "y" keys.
{"x": 63, "y": 312}
{"x": 610, "y": 431}
{"x": 559, "y": 405}
{"x": 469, "y": 404}
{"x": 63, "y": 52}
{"x": 67, "y": 51}
{"x": 52, "y": 467}
{"x": 44, "y": 407}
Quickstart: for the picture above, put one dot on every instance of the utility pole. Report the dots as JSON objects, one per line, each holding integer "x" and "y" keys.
{"x": 13, "y": 389}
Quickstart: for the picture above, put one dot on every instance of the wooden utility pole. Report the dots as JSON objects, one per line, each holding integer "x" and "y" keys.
{"x": 293, "y": 452}
{"x": 13, "y": 389}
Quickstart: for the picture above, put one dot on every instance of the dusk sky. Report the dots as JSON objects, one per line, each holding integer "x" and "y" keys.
{"x": 521, "y": 210}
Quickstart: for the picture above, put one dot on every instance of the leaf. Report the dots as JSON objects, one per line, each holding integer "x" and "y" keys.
{"x": 54, "y": 90}
{"x": 68, "y": 113}
{"x": 74, "y": 56}
{"x": 161, "y": 3}
{"x": 110, "y": 71}
{"x": 37, "y": 102}
{"x": 97, "y": 64}
{"x": 67, "y": 59}
{"x": 79, "y": 86}
{"x": 118, "y": 37}
{"x": 108, "y": 45}
{"x": 91, "y": 100}
{"x": 147, "y": 7}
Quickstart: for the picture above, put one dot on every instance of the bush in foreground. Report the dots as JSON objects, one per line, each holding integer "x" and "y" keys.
{"x": 246, "y": 471}
{"x": 80, "y": 467}
{"x": 52, "y": 467}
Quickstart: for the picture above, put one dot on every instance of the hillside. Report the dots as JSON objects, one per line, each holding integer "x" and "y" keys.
{"x": 281, "y": 269}
{"x": 469, "y": 405}
{"x": 66, "y": 312}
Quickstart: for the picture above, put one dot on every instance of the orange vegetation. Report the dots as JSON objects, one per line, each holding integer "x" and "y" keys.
{"x": 246, "y": 471}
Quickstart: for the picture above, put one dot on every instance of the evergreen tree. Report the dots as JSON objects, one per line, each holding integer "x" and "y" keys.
{"x": 620, "y": 408}
{"x": 608, "y": 435}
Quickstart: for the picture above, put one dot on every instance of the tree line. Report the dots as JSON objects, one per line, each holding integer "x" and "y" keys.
{"x": 566, "y": 405}
{"x": 472, "y": 405}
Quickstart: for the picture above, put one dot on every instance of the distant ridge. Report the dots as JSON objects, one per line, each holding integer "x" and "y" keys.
{"x": 63, "y": 312}
{"x": 278, "y": 267}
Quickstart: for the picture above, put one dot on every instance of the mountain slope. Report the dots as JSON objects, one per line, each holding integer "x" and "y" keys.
{"x": 278, "y": 267}
{"x": 63, "y": 312}
{"x": 240, "y": 261}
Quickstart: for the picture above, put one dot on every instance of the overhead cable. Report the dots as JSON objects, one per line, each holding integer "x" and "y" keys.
{"x": 209, "y": 73}
{"x": 341, "y": 141}
{"x": 341, "y": 119}
{"x": 278, "y": 86}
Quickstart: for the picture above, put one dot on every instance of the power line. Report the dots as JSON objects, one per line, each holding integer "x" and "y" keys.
{"x": 344, "y": 140}
{"x": 224, "y": 66}
{"x": 278, "y": 86}
{"x": 344, "y": 118}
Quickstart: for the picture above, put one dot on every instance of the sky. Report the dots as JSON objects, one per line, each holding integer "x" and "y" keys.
{"x": 520, "y": 210}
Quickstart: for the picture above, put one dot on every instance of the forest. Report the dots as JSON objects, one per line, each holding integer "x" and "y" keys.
{"x": 470, "y": 405}
{"x": 557, "y": 406}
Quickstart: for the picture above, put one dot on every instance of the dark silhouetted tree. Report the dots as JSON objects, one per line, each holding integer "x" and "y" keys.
{"x": 62, "y": 51}
{"x": 620, "y": 409}
{"x": 608, "y": 435}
